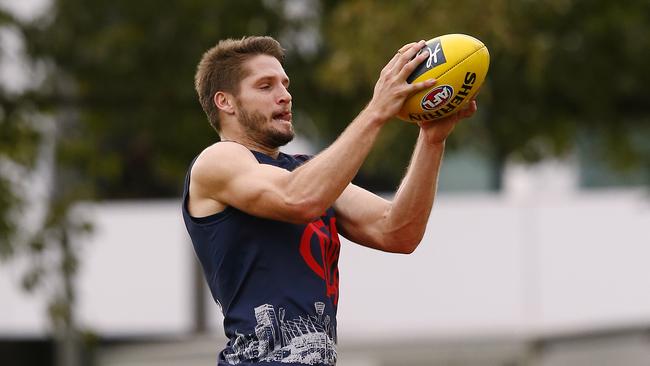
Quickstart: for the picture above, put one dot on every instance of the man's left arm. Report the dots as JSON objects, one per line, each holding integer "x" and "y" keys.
{"x": 399, "y": 226}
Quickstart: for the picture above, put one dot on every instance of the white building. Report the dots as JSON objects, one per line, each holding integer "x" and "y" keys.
{"x": 540, "y": 264}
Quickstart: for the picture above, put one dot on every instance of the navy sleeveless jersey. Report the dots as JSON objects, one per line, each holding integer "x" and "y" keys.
{"x": 277, "y": 283}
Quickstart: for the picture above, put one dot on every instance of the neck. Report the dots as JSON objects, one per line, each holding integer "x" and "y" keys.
{"x": 251, "y": 144}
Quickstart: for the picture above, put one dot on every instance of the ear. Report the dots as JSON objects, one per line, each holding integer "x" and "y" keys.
{"x": 224, "y": 102}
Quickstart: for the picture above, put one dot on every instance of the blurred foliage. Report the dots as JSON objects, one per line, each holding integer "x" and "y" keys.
{"x": 127, "y": 69}
{"x": 561, "y": 70}
{"x": 119, "y": 79}
{"x": 118, "y": 82}
{"x": 19, "y": 141}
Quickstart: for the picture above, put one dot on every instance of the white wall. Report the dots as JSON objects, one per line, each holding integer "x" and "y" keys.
{"x": 135, "y": 275}
{"x": 137, "y": 270}
{"x": 497, "y": 265}
{"x": 489, "y": 264}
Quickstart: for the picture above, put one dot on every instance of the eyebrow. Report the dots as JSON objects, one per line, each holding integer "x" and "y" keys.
{"x": 285, "y": 80}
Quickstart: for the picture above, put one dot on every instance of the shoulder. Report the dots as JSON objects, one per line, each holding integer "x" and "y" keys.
{"x": 221, "y": 159}
{"x": 224, "y": 148}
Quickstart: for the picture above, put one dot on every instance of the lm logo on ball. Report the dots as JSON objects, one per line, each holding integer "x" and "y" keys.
{"x": 437, "y": 97}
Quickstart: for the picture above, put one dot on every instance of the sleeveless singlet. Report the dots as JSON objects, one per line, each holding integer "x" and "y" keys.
{"x": 276, "y": 282}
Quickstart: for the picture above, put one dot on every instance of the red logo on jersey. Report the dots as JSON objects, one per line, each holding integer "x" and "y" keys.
{"x": 327, "y": 267}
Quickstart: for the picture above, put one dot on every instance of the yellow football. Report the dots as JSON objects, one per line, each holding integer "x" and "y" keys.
{"x": 459, "y": 63}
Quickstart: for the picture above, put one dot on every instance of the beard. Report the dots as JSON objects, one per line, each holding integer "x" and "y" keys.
{"x": 261, "y": 129}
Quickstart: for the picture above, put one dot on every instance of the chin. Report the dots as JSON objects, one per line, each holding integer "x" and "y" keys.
{"x": 281, "y": 139}
{"x": 284, "y": 128}
{"x": 276, "y": 135}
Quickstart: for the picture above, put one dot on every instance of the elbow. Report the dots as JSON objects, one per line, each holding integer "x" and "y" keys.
{"x": 305, "y": 211}
{"x": 304, "y": 217}
{"x": 407, "y": 248}
{"x": 406, "y": 244}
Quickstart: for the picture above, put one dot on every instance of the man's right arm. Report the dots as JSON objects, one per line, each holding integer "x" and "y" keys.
{"x": 230, "y": 175}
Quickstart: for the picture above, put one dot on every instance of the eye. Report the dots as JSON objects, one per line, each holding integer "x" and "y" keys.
{"x": 265, "y": 86}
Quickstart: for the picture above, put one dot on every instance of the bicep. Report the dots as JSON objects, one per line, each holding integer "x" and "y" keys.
{"x": 361, "y": 216}
{"x": 232, "y": 176}
{"x": 258, "y": 190}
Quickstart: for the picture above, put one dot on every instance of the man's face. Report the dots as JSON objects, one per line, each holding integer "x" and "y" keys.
{"x": 263, "y": 106}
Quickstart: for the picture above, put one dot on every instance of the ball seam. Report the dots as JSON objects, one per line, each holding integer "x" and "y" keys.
{"x": 459, "y": 62}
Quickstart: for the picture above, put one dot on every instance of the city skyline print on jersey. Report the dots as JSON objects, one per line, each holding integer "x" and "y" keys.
{"x": 307, "y": 339}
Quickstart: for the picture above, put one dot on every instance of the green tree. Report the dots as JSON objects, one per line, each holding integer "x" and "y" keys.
{"x": 119, "y": 85}
{"x": 18, "y": 149}
{"x": 26, "y": 138}
{"x": 129, "y": 69}
{"x": 561, "y": 71}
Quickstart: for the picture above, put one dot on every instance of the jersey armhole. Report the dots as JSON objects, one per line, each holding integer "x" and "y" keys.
{"x": 203, "y": 220}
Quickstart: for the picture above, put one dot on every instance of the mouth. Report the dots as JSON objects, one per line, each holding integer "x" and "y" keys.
{"x": 284, "y": 116}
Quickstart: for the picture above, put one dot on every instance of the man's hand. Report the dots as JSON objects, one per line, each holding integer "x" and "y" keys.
{"x": 391, "y": 90}
{"x": 436, "y": 132}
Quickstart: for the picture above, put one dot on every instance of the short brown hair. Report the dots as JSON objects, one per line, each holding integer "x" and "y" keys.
{"x": 221, "y": 69}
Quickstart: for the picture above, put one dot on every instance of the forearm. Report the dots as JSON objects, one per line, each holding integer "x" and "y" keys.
{"x": 409, "y": 212}
{"x": 319, "y": 182}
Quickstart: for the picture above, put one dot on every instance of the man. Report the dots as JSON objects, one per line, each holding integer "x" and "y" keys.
{"x": 265, "y": 224}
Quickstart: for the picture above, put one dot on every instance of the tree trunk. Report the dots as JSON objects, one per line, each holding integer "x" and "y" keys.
{"x": 67, "y": 337}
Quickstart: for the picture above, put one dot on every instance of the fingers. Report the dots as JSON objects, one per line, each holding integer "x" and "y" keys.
{"x": 406, "y": 55}
{"x": 416, "y": 87}
{"x": 466, "y": 112}
{"x": 405, "y": 60}
{"x": 396, "y": 56}
{"x": 469, "y": 110}
{"x": 407, "y": 46}
{"x": 412, "y": 64}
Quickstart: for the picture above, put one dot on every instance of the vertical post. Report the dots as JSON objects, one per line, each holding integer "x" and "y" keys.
{"x": 199, "y": 308}
{"x": 67, "y": 338}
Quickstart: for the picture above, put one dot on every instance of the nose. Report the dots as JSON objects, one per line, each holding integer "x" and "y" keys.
{"x": 285, "y": 96}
